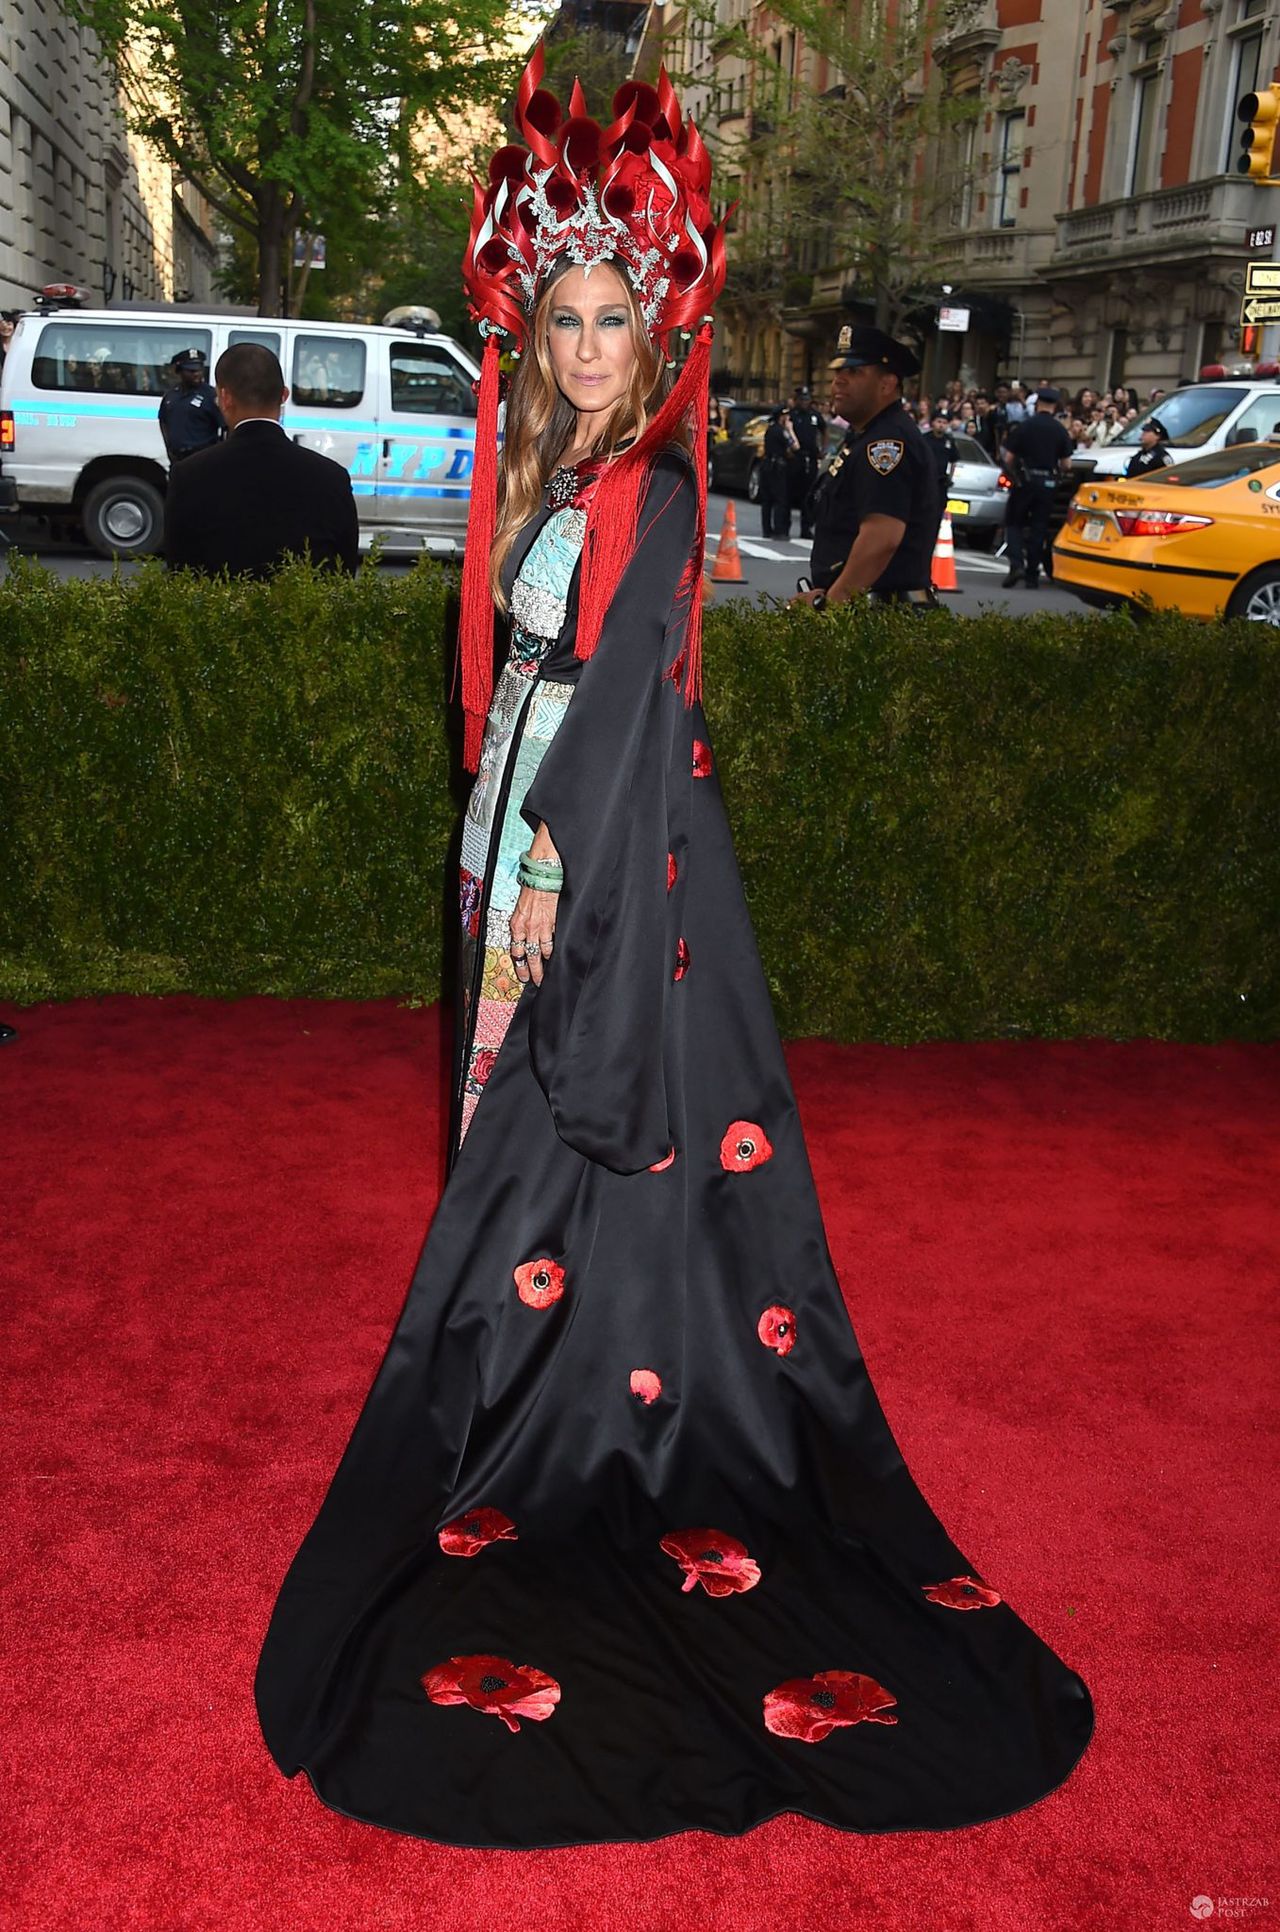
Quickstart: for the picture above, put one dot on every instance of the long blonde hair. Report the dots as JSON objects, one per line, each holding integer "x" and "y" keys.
{"x": 541, "y": 419}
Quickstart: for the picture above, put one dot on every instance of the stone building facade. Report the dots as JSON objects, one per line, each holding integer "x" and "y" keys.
{"x": 1104, "y": 208}
{"x": 1098, "y": 231}
{"x": 80, "y": 199}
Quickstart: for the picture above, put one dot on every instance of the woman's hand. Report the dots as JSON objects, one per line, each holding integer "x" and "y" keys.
{"x": 533, "y": 922}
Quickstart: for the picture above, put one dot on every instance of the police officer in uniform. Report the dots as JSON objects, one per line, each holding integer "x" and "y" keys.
{"x": 875, "y": 510}
{"x": 1155, "y": 453}
{"x": 775, "y": 477}
{"x": 1035, "y": 452}
{"x": 810, "y": 433}
{"x": 189, "y": 416}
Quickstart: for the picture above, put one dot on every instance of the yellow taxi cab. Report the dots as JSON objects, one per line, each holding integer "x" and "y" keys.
{"x": 1201, "y": 537}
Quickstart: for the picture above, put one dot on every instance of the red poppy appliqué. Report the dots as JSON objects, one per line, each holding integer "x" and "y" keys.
{"x": 672, "y": 870}
{"x": 660, "y": 1167}
{"x": 646, "y": 1385}
{"x": 539, "y": 1283}
{"x": 962, "y": 1593}
{"x": 810, "y": 1708}
{"x": 682, "y": 959}
{"x": 468, "y": 1535}
{"x": 745, "y": 1145}
{"x": 777, "y": 1329}
{"x": 702, "y": 760}
{"x": 719, "y": 1563}
{"x": 483, "y": 1061}
{"x": 494, "y": 1685}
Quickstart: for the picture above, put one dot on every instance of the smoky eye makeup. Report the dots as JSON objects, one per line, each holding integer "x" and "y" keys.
{"x": 569, "y": 319}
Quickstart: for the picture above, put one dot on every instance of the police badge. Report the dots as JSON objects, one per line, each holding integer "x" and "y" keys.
{"x": 885, "y": 454}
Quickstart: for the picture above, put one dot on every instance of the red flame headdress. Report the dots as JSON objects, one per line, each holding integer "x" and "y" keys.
{"x": 635, "y": 193}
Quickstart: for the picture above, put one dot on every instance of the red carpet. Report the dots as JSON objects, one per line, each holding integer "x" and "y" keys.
{"x": 1062, "y": 1265}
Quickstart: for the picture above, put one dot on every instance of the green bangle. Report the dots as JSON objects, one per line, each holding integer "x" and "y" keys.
{"x": 540, "y": 875}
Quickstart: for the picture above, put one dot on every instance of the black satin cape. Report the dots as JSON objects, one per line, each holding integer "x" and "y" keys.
{"x": 484, "y": 1402}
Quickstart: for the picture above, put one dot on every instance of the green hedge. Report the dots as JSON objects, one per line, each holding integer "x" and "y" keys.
{"x": 948, "y": 829}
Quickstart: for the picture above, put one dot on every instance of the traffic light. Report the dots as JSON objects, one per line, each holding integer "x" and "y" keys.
{"x": 1260, "y": 112}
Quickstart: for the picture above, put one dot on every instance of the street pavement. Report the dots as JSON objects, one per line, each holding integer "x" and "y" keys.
{"x": 770, "y": 566}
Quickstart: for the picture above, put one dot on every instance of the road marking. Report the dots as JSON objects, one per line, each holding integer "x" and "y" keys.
{"x": 798, "y": 552}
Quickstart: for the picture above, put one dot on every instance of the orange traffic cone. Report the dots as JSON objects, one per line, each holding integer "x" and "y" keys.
{"x": 944, "y": 559}
{"x": 728, "y": 564}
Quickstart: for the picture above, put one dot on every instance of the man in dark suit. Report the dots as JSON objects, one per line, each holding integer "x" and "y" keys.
{"x": 257, "y": 497}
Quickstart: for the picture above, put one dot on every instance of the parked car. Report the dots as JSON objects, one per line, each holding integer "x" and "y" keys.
{"x": 1201, "y": 537}
{"x": 80, "y": 443}
{"x": 978, "y": 497}
{"x": 737, "y": 455}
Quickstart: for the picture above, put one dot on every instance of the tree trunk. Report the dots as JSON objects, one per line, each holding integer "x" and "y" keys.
{"x": 298, "y": 288}
{"x": 271, "y": 265}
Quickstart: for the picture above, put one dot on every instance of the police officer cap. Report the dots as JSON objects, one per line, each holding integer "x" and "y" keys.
{"x": 864, "y": 345}
{"x": 1153, "y": 422}
{"x": 189, "y": 359}
{"x": 1050, "y": 396}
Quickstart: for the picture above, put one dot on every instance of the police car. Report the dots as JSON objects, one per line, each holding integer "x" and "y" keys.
{"x": 1217, "y": 412}
{"x": 80, "y": 443}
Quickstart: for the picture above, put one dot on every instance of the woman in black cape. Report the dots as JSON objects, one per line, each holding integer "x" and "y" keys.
{"x": 622, "y": 1544}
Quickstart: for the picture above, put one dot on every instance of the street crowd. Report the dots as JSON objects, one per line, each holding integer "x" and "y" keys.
{"x": 1093, "y": 417}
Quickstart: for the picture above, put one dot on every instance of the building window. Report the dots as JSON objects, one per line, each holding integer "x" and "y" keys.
{"x": 1142, "y": 135}
{"x": 1246, "y": 65}
{"x": 962, "y": 201}
{"x": 1117, "y": 357}
{"x": 1012, "y": 129}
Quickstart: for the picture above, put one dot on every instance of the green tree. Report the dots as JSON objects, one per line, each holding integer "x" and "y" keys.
{"x": 589, "y": 54}
{"x": 863, "y": 175}
{"x": 297, "y": 114}
{"x": 411, "y": 253}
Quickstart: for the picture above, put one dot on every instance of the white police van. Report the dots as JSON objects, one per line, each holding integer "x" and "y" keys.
{"x": 1217, "y": 412}
{"x": 80, "y": 443}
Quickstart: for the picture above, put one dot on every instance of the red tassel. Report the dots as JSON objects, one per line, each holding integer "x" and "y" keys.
{"x": 475, "y": 622}
{"x": 612, "y": 521}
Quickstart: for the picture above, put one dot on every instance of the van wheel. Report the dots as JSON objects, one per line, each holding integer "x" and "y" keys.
{"x": 753, "y": 483}
{"x": 1258, "y": 597}
{"x": 124, "y": 517}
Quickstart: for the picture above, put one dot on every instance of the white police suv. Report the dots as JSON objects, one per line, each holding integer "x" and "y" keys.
{"x": 80, "y": 443}
{"x": 1217, "y": 412}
